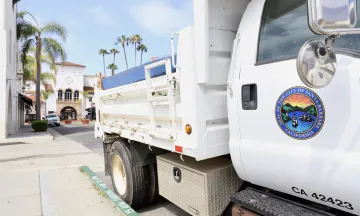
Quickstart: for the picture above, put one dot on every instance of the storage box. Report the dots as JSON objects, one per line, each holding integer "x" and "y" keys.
{"x": 198, "y": 187}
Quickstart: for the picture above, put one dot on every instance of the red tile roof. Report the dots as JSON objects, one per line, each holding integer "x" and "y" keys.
{"x": 69, "y": 64}
{"x": 48, "y": 87}
{"x": 88, "y": 88}
{"x": 33, "y": 98}
{"x": 32, "y": 95}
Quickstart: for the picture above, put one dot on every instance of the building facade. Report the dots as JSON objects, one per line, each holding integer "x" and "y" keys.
{"x": 11, "y": 84}
{"x": 72, "y": 94}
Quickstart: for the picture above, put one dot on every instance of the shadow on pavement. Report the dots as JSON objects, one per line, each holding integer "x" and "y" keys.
{"x": 74, "y": 129}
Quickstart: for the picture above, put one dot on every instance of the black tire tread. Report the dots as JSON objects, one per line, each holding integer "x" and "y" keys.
{"x": 139, "y": 183}
{"x": 138, "y": 175}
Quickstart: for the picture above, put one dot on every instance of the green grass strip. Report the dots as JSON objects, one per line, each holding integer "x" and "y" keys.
{"x": 120, "y": 205}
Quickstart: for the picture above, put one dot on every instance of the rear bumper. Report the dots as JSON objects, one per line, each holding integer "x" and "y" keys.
{"x": 54, "y": 123}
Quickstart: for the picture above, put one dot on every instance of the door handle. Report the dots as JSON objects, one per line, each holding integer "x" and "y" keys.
{"x": 249, "y": 97}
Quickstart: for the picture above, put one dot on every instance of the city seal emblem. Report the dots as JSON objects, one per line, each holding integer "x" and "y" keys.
{"x": 300, "y": 113}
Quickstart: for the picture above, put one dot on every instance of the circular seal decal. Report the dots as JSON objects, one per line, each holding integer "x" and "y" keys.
{"x": 300, "y": 113}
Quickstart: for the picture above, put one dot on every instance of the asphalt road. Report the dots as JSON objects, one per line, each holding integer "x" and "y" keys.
{"x": 84, "y": 134}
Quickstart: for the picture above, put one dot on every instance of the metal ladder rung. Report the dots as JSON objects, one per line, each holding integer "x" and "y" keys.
{"x": 161, "y": 104}
{"x": 161, "y": 98}
{"x": 155, "y": 101}
{"x": 159, "y": 89}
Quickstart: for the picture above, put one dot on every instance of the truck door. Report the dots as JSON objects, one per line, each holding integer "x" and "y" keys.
{"x": 295, "y": 139}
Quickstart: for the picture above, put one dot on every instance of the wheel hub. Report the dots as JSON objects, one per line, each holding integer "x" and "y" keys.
{"x": 119, "y": 174}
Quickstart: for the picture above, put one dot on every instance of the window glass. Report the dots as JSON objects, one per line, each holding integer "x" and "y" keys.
{"x": 284, "y": 29}
{"x": 68, "y": 94}
{"x": 60, "y": 95}
{"x": 76, "y": 95}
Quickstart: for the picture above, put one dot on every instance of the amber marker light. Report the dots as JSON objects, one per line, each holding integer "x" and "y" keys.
{"x": 188, "y": 129}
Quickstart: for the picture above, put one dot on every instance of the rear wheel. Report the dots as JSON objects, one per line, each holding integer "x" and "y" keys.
{"x": 129, "y": 182}
{"x": 153, "y": 186}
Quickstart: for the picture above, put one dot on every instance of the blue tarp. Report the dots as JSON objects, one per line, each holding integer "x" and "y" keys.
{"x": 135, "y": 74}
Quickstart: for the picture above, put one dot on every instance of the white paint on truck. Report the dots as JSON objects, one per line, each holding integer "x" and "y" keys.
{"x": 321, "y": 169}
{"x": 235, "y": 43}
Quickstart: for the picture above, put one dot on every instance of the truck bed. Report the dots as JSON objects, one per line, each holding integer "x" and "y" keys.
{"x": 155, "y": 102}
{"x": 134, "y": 74}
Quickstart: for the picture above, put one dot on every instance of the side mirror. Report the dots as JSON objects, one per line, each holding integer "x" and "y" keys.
{"x": 333, "y": 17}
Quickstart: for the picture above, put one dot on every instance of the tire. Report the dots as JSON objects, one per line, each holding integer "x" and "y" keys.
{"x": 153, "y": 186}
{"x": 133, "y": 188}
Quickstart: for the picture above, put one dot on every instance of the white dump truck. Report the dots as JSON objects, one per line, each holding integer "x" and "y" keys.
{"x": 246, "y": 113}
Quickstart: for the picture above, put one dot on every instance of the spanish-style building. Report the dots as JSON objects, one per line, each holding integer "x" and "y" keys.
{"x": 73, "y": 93}
{"x": 11, "y": 79}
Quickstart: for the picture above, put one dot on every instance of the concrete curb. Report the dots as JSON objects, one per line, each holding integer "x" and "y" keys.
{"x": 53, "y": 132}
{"x": 119, "y": 204}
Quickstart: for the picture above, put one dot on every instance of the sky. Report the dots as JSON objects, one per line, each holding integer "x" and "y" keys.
{"x": 94, "y": 25}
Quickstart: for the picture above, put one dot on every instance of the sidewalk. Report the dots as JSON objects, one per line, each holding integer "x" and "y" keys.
{"x": 55, "y": 192}
{"x": 43, "y": 178}
{"x": 27, "y": 135}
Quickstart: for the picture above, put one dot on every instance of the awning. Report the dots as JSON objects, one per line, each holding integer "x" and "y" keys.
{"x": 26, "y": 100}
{"x": 90, "y": 109}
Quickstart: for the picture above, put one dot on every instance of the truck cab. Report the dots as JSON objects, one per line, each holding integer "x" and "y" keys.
{"x": 285, "y": 135}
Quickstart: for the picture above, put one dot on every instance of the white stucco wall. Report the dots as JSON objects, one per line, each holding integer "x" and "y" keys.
{"x": 10, "y": 85}
{"x": 76, "y": 74}
{"x": 51, "y": 103}
{"x": 90, "y": 80}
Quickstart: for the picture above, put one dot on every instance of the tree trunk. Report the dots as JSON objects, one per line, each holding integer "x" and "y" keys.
{"x": 113, "y": 72}
{"x": 135, "y": 54}
{"x": 141, "y": 56}
{"x": 38, "y": 72}
{"x": 114, "y": 58}
{"x": 127, "y": 67}
{"x": 104, "y": 64}
{"x": 45, "y": 108}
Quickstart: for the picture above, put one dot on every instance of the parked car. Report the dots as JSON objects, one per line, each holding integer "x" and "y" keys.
{"x": 53, "y": 120}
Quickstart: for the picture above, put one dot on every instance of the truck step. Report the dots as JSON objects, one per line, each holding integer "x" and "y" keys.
{"x": 270, "y": 205}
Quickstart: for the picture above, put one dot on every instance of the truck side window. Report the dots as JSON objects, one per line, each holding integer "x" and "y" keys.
{"x": 284, "y": 29}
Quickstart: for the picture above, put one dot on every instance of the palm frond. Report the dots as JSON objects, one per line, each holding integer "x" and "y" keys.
{"x": 20, "y": 17}
{"x": 142, "y": 47}
{"x": 54, "y": 28}
{"x": 114, "y": 51}
{"x": 47, "y": 77}
{"x": 46, "y": 93}
{"x": 46, "y": 59}
{"x": 53, "y": 49}
{"x": 103, "y": 52}
{"x": 112, "y": 67}
{"x": 26, "y": 46}
{"x": 25, "y": 30}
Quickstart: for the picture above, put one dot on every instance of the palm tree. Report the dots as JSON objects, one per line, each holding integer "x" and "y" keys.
{"x": 47, "y": 77}
{"x": 45, "y": 95}
{"x": 104, "y": 52}
{"x": 135, "y": 40}
{"x": 30, "y": 66}
{"x": 34, "y": 35}
{"x": 124, "y": 41}
{"x": 113, "y": 67}
{"x": 142, "y": 48}
{"x": 114, "y": 52}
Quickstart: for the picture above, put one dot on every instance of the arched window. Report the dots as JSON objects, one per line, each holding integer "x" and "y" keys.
{"x": 76, "y": 95}
{"x": 68, "y": 94}
{"x": 60, "y": 95}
